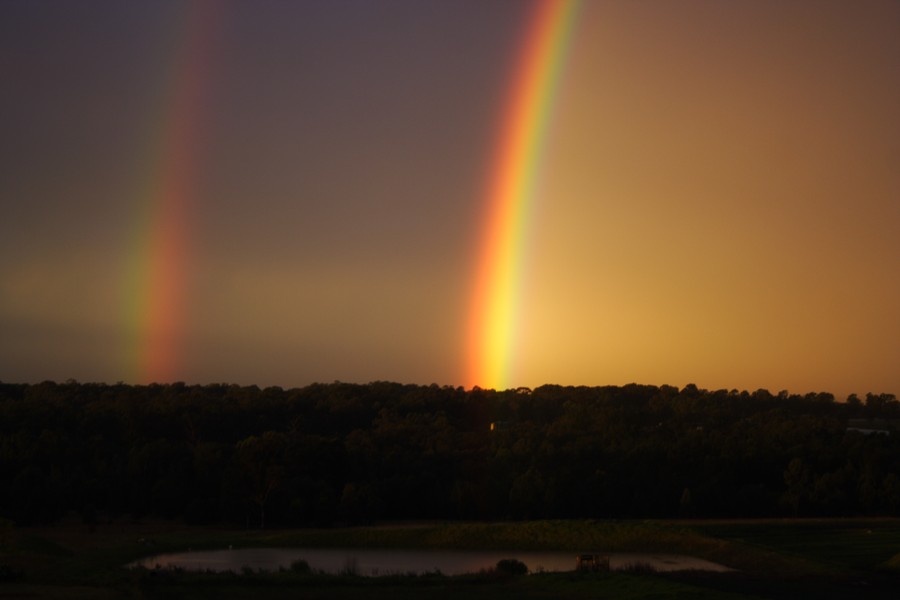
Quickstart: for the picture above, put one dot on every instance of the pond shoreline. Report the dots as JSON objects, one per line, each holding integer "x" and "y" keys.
{"x": 393, "y": 561}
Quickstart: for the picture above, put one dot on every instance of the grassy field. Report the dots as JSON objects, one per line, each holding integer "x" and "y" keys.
{"x": 773, "y": 559}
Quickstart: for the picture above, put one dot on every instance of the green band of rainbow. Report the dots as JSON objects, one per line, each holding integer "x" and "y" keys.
{"x": 511, "y": 194}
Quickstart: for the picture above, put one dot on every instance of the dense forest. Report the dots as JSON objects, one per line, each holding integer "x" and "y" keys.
{"x": 333, "y": 454}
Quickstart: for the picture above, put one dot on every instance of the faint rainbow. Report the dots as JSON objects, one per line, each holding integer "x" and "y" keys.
{"x": 158, "y": 266}
{"x": 510, "y": 198}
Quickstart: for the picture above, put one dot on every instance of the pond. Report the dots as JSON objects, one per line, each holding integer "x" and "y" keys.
{"x": 375, "y": 562}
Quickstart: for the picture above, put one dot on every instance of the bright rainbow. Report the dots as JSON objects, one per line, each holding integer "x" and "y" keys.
{"x": 157, "y": 274}
{"x": 511, "y": 194}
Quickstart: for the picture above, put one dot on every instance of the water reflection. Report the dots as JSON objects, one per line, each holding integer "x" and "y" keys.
{"x": 374, "y": 562}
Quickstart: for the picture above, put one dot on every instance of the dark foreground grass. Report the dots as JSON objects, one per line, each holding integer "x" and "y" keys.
{"x": 623, "y": 586}
{"x": 773, "y": 559}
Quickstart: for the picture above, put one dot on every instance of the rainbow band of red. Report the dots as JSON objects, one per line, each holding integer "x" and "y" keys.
{"x": 494, "y": 315}
{"x": 158, "y": 274}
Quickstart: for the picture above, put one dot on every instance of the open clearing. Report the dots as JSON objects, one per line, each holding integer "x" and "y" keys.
{"x": 842, "y": 558}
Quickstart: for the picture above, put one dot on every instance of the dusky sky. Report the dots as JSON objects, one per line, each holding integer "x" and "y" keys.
{"x": 278, "y": 193}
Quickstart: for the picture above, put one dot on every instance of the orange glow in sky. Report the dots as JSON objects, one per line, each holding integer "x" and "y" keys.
{"x": 717, "y": 201}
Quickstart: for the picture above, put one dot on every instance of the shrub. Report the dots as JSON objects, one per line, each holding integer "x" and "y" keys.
{"x": 300, "y": 566}
{"x": 511, "y": 566}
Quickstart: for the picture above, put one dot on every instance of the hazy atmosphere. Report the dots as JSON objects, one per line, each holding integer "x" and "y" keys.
{"x": 279, "y": 193}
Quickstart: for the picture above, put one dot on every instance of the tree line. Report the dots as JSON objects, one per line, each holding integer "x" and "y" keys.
{"x": 333, "y": 454}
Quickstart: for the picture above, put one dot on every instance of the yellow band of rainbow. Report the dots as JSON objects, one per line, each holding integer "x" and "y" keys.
{"x": 510, "y": 197}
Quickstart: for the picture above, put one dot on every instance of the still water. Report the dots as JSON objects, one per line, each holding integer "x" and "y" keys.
{"x": 374, "y": 562}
